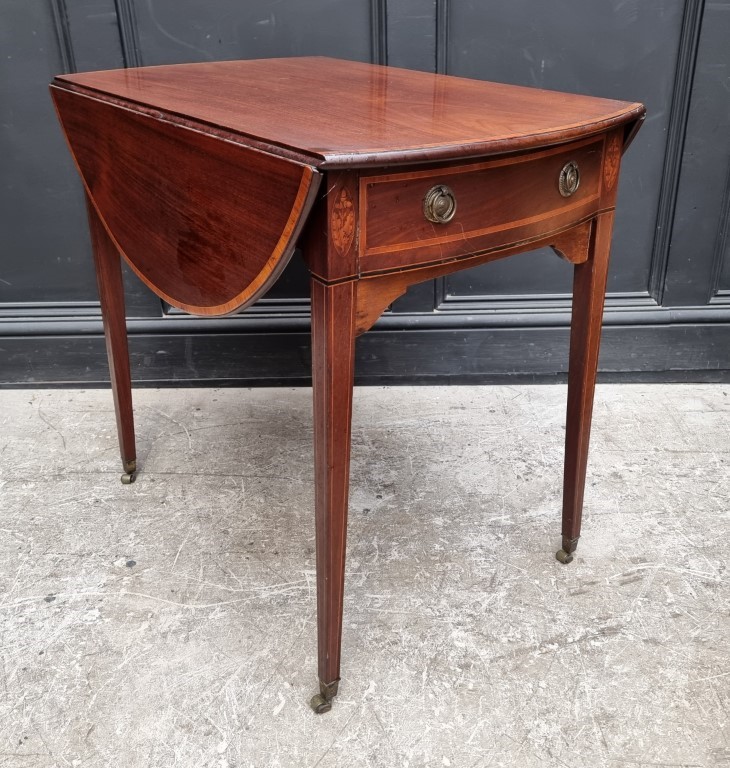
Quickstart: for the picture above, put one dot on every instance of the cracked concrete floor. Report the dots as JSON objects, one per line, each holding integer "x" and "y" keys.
{"x": 172, "y": 622}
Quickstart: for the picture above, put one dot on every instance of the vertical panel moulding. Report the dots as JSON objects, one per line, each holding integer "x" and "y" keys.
{"x": 379, "y": 31}
{"x": 722, "y": 241}
{"x": 128, "y": 36}
{"x": 442, "y": 68}
{"x": 442, "y": 37}
{"x": 63, "y": 33}
{"x": 689, "y": 41}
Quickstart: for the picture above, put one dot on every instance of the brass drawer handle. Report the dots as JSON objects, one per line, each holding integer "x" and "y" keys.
{"x": 439, "y": 205}
{"x": 569, "y": 180}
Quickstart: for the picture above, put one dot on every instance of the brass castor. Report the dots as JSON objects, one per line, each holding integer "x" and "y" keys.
{"x": 565, "y": 555}
{"x": 130, "y": 472}
{"x": 319, "y": 704}
{"x": 322, "y": 702}
{"x": 562, "y": 556}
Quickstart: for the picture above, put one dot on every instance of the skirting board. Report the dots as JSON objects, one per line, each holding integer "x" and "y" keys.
{"x": 672, "y": 352}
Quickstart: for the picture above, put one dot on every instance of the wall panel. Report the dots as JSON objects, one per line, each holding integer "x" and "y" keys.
{"x": 45, "y": 254}
{"x": 617, "y": 49}
{"x": 172, "y": 31}
{"x": 669, "y": 306}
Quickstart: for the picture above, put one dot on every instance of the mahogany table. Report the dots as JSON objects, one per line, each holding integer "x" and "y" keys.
{"x": 205, "y": 176}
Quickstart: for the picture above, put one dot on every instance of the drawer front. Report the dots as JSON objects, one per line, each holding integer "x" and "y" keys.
{"x": 422, "y": 217}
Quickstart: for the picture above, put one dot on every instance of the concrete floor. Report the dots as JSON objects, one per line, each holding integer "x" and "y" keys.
{"x": 172, "y": 622}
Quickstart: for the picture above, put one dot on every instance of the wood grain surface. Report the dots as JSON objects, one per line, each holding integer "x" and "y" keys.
{"x": 498, "y": 202}
{"x": 107, "y": 263}
{"x": 333, "y": 366}
{"x": 207, "y": 224}
{"x": 203, "y": 175}
{"x": 348, "y": 113}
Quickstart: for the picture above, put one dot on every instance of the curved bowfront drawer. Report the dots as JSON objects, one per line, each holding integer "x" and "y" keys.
{"x": 426, "y": 216}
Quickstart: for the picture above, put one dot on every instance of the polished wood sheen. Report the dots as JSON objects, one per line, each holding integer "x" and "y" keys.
{"x": 220, "y": 236}
{"x": 203, "y": 176}
{"x": 507, "y": 199}
{"x": 346, "y": 113}
{"x": 333, "y": 367}
{"x": 111, "y": 295}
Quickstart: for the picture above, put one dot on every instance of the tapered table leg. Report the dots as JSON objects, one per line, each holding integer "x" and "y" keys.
{"x": 111, "y": 294}
{"x": 333, "y": 347}
{"x": 589, "y": 290}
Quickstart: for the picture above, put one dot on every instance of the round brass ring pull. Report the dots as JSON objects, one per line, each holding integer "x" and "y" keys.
{"x": 569, "y": 180}
{"x": 439, "y": 205}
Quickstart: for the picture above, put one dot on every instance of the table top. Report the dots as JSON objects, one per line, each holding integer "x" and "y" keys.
{"x": 335, "y": 113}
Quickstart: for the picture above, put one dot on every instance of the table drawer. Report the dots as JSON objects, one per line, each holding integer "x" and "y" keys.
{"x": 421, "y": 217}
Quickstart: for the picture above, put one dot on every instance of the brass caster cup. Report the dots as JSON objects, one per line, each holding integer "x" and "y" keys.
{"x": 562, "y": 556}
{"x": 320, "y": 705}
{"x": 322, "y": 702}
{"x": 130, "y": 472}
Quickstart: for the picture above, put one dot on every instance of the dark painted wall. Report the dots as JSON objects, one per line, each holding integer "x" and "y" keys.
{"x": 669, "y": 289}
